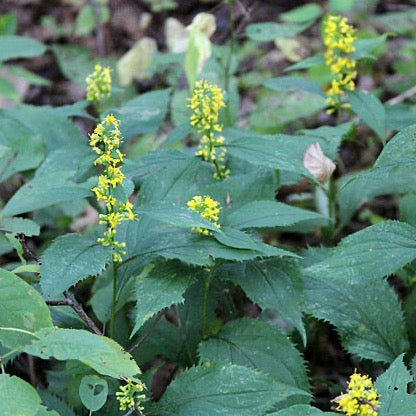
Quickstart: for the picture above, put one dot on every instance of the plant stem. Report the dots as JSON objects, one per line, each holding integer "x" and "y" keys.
{"x": 330, "y": 230}
{"x": 113, "y": 303}
{"x": 227, "y": 68}
{"x": 206, "y": 282}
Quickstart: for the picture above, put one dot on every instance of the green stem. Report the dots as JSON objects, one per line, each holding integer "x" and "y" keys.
{"x": 113, "y": 303}
{"x": 227, "y": 68}
{"x": 206, "y": 282}
{"x": 329, "y": 233}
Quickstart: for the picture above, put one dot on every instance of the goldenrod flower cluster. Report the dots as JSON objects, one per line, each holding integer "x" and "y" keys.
{"x": 208, "y": 209}
{"x": 361, "y": 399}
{"x": 206, "y": 101}
{"x": 98, "y": 84}
{"x": 129, "y": 396}
{"x": 339, "y": 40}
{"x": 106, "y": 141}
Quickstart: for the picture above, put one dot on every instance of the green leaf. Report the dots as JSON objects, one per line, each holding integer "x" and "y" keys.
{"x": 302, "y": 410}
{"x": 176, "y": 215}
{"x": 238, "y": 239}
{"x": 29, "y": 76}
{"x": 226, "y": 390}
{"x": 199, "y": 50}
{"x": 98, "y": 352}
{"x": 85, "y": 22}
{"x": 302, "y": 14}
{"x": 371, "y": 253}
{"x": 160, "y": 287}
{"x": 93, "y": 392}
{"x": 365, "y": 47}
{"x": 17, "y": 397}
{"x": 307, "y": 63}
{"x": 22, "y": 308}
{"x": 294, "y": 83}
{"x": 8, "y": 24}
{"x": 268, "y": 31}
{"x": 69, "y": 259}
{"x": 268, "y": 214}
{"x": 143, "y": 114}
{"x": 17, "y": 225}
{"x": 20, "y": 154}
{"x": 393, "y": 172}
{"x": 341, "y": 5}
{"x": 370, "y": 109}
{"x": 258, "y": 345}
{"x": 46, "y": 190}
{"x": 367, "y": 314}
{"x": 8, "y": 90}
{"x": 392, "y": 388}
{"x": 12, "y": 47}
{"x": 273, "y": 284}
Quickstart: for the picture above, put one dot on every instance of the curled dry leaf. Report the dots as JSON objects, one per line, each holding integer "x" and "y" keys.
{"x": 317, "y": 163}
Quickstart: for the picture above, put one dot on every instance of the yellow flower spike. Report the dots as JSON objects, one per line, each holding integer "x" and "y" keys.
{"x": 339, "y": 38}
{"x": 98, "y": 84}
{"x": 208, "y": 209}
{"x": 361, "y": 398}
{"x": 206, "y": 101}
{"x": 105, "y": 141}
{"x": 130, "y": 396}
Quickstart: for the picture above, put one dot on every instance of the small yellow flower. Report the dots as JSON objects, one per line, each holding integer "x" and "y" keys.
{"x": 130, "y": 396}
{"x": 105, "y": 141}
{"x": 206, "y": 101}
{"x": 208, "y": 209}
{"x": 339, "y": 38}
{"x": 98, "y": 84}
{"x": 361, "y": 398}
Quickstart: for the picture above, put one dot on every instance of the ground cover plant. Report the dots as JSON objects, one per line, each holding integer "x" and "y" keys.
{"x": 207, "y": 208}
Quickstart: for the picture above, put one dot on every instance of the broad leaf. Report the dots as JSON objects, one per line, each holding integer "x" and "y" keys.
{"x": 302, "y": 410}
{"x": 369, "y": 254}
{"x": 160, "y": 287}
{"x": 268, "y": 31}
{"x": 98, "y": 352}
{"x": 392, "y": 388}
{"x": 17, "y": 225}
{"x": 17, "y": 397}
{"x": 366, "y": 314}
{"x": 302, "y": 13}
{"x": 259, "y": 345}
{"x": 294, "y": 83}
{"x": 143, "y": 114}
{"x": 22, "y": 308}
{"x": 369, "y": 108}
{"x": 226, "y": 390}
{"x": 273, "y": 284}
{"x": 46, "y": 190}
{"x": 268, "y": 214}
{"x": 69, "y": 259}
{"x": 13, "y": 47}
{"x": 393, "y": 173}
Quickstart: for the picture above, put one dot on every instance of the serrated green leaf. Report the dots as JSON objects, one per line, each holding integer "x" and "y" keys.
{"x": 393, "y": 172}
{"x": 17, "y": 397}
{"x": 69, "y": 259}
{"x": 273, "y": 284}
{"x": 366, "y": 314}
{"x": 392, "y": 388}
{"x": 259, "y": 345}
{"x": 43, "y": 411}
{"x": 17, "y": 225}
{"x": 268, "y": 214}
{"x": 46, "y": 190}
{"x": 22, "y": 308}
{"x": 294, "y": 83}
{"x": 98, "y": 352}
{"x": 12, "y": 47}
{"x": 161, "y": 287}
{"x": 370, "y": 109}
{"x": 226, "y": 390}
{"x": 143, "y": 114}
{"x": 56, "y": 403}
{"x": 369, "y": 254}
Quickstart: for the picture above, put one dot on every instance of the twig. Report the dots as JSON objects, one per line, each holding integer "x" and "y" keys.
{"x": 401, "y": 97}
{"x": 78, "y": 309}
{"x": 99, "y": 34}
{"x": 148, "y": 332}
